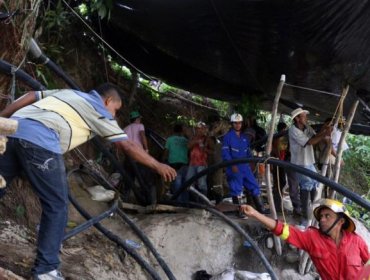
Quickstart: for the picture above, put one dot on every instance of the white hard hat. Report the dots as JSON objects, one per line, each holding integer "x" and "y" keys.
{"x": 236, "y": 118}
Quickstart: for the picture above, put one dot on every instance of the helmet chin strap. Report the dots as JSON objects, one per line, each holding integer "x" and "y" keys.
{"x": 326, "y": 232}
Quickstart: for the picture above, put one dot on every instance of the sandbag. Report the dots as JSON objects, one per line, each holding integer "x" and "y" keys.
{"x": 99, "y": 193}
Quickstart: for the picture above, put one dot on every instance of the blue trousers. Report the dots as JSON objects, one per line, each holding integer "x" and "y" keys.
{"x": 177, "y": 183}
{"x": 46, "y": 172}
{"x": 202, "y": 181}
{"x": 244, "y": 178}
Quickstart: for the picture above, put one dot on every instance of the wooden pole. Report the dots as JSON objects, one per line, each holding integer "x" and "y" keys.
{"x": 341, "y": 142}
{"x": 328, "y": 151}
{"x": 305, "y": 262}
{"x": 268, "y": 149}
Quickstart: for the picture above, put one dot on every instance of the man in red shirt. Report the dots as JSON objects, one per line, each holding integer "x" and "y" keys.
{"x": 337, "y": 252}
{"x": 199, "y": 147}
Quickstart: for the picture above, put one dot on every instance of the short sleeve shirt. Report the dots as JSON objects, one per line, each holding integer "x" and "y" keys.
{"x": 177, "y": 147}
{"x": 301, "y": 153}
{"x": 133, "y": 132}
{"x": 69, "y": 117}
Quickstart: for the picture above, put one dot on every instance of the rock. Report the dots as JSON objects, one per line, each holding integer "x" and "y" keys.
{"x": 292, "y": 257}
{"x": 8, "y": 275}
{"x": 291, "y": 274}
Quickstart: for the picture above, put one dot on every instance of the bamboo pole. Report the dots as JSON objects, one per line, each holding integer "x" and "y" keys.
{"x": 270, "y": 198}
{"x": 341, "y": 142}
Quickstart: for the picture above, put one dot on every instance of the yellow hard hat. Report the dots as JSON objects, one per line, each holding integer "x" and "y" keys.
{"x": 337, "y": 207}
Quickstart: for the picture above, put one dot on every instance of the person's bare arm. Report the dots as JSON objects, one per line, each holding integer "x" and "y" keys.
{"x": 134, "y": 151}
{"x": 26, "y": 99}
{"x": 325, "y": 131}
{"x": 253, "y": 213}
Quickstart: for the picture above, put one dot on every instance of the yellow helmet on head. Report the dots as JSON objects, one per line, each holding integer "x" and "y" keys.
{"x": 337, "y": 207}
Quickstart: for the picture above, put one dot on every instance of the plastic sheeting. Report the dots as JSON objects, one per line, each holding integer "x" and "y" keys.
{"x": 225, "y": 49}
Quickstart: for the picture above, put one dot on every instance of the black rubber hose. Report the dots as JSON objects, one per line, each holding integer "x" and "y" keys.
{"x": 286, "y": 165}
{"x": 135, "y": 228}
{"x": 6, "y": 68}
{"x": 91, "y": 221}
{"x": 57, "y": 70}
{"x": 148, "y": 243}
{"x": 118, "y": 241}
{"x": 111, "y": 236}
{"x": 237, "y": 227}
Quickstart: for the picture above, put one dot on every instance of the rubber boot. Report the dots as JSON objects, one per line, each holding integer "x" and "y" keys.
{"x": 259, "y": 205}
{"x": 238, "y": 200}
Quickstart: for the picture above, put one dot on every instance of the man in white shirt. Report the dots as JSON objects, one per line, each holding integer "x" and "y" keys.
{"x": 302, "y": 137}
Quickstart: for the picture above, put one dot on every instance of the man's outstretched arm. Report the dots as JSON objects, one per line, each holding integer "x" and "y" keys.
{"x": 24, "y": 100}
{"x": 137, "y": 153}
{"x": 253, "y": 213}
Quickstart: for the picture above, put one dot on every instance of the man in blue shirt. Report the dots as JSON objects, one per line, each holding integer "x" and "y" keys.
{"x": 51, "y": 123}
{"x": 236, "y": 145}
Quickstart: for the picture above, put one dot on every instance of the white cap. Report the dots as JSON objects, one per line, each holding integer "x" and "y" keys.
{"x": 298, "y": 111}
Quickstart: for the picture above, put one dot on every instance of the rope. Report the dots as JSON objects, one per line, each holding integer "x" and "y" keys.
{"x": 12, "y": 85}
{"x": 314, "y": 90}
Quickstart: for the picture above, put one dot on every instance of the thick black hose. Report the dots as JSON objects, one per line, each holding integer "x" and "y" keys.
{"x": 136, "y": 229}
{"x": 57, "y": 70}
{"x": 286, "y": 165}
{"x": 111, "y": 235}
{"x": 91, "y": 222}
{"x": 148, "y": 243}
{"x": 117, "y": 240}
{"x": 237, "y": 227}
{"x": 6, "y": 68}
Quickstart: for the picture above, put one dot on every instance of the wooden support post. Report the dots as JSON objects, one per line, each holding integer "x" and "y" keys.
{"x": 341, "y": 142}
{"x": 7, "y": 127}
{"x": 328, "y": 151}
{"x": 270, "y": 197}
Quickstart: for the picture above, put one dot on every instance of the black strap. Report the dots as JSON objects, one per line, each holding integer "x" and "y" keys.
{"x": 333, "y": 225}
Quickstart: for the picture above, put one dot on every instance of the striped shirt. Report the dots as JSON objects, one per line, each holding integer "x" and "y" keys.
{"x": 75, "y": 117}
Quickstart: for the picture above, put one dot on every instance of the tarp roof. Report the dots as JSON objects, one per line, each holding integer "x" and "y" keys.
{"x": 225, "y": 49}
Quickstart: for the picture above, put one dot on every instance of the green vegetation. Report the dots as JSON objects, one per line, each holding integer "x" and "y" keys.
{"x": 356, "y": 173}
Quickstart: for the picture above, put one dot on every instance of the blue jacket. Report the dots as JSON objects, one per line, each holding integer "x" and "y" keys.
{"x": 234, "y": 147}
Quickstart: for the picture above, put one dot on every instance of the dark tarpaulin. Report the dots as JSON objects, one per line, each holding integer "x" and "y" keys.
{"x": 225, "y": 49}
